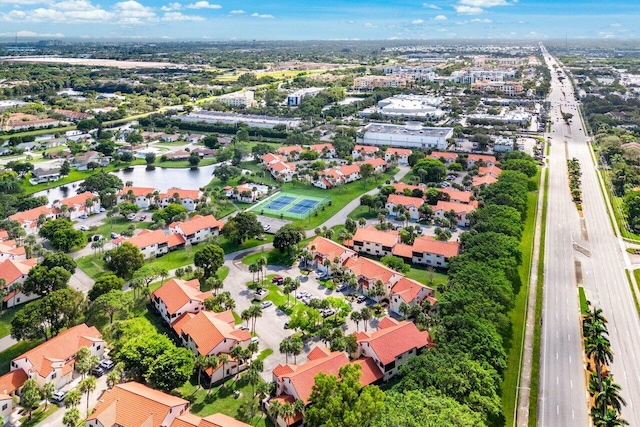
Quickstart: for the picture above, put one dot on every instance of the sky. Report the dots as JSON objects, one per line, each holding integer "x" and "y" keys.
{"x": 318, "y": 19}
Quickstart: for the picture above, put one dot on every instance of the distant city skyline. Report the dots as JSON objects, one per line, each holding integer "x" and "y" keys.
{"x": 314, "y": 20}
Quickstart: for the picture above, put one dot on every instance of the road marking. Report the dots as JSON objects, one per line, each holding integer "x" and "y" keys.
{"x": 558, "y": 409}
{"x": 571, "y": 384}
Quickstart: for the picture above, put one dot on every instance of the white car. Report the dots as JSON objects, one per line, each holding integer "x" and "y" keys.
{"x": 58, "y": 396}
{"x": 106, "y": 364}
{"x": 266, "y": 304}
{"x": 255, "y": 340}
{"x": 84, "y": 228}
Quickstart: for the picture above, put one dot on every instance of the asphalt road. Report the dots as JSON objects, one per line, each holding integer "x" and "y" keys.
{"x": 563, "y": 396}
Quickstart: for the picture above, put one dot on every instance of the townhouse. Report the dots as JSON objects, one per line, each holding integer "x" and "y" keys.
{"x": 86, "y": 203}
{"x": 187, "y": 198}
{"x": 379, "y": 165}
{"x": 9, "y": 249}
{"x": 323, "y": 249}
{"x": 368, "y": 273}
{"x": 364, "y": 152}
{"x": 403, "y": 189}
{"x": 401, "y": 155}
{"x": 32, "y": 124}
{"x": 153, "y": 243}
{"x": 54, "y": 360}
{"x": 492, "y": 170}
{"x": 337, "y": 175}
{"x": 410, "y": 292}
{"x": 209, "y": 333}
{"x": 82, "y": 161}
{"x": 29, "y": 219}
{"x": 456, "y": 196}
{"x": 445, "y": 157}
{"x": 271, "y": 158}
{"x": 141, "y": 196}
{"x": 472, "y": 159}
{"x": 290, "y": 151}
{"x": 372, "y": 241}
{"x": 74, "y": 116}
{"x": 40, "y": 175}
{"x": 461, "y": 210}
{"x": 411, "y": 204}
{"x": 427, "y": 251}
{"x": 324, "y": 150}
{"x": 14, "y": 273}
{"x": 392, "y": 345}
{"x": 246, "y": 193}
{"x": 282, "y": 170}
{"x": 479, "y": 181}
{"x": 177, "y": 297}
{"x": 197, "y": 229}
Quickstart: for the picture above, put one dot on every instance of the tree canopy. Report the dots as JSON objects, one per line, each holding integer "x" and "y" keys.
{"x": 243, "y": 226}
{"x": 124, "y": 260}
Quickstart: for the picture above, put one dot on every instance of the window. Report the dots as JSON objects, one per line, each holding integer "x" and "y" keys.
{"x": 54, "y": 375}
{"x": 5, "y": 406}
{"x": 98, "y": 347}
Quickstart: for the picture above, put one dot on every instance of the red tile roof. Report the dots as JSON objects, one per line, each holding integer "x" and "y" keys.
{"x": 281, "y": 166}
{"x": 402, "y": 250}
{"x": 401, "y": 186}
{"x": 481, "y": 158}
{"x": 148, "y": 238}
{"x": 175, "y": 293}
{"x": 78, "y": 200}
{"x": 137, "y": 191}
{"x": 288, "y": 149}
{"x": 462, "y": 196}
{"x": 444, "y": 155}
{"x": 376, "y": 162}
{"x": 328, "y": 248}
{"x": 408, "y": 289}
{"x": 182, "y": 194}
{"x": 366, "y": 148}
{"x": 427, "y": 244}
{"x": 483, "y": 180}
{"x": 208, "y": 329}
{"x": 135, "y": 405}
{"x": 369, "y": 269}
{"x": 458, "y": 208}
{"x": 270, "y": 158}
{"x": 31, "y": 214}
{"x": 4, "y": 234}
{"x": 347, "y": 170}
{"x": 395, "y": 340}
{"x": 399, "y": 151}
{"x": 370, "y": 370}
{"x": 12, "y": 270}
{"x": 197, "y": 223}
{"x": 320, "y": 147}
{"x": 12, "y": 381}
{"x": 373, "y": 235}
{"x": 490, "y": 170}
{"x": 405, "y": 201}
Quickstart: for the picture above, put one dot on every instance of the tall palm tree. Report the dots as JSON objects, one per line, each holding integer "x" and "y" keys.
{"x": 296, "y": 348}
{"x": 609, "y": 419}
{"x": 212, "y": 362}
{"x": 262, "y": 263}
{"x": 237, "y": 354}
{"x": 46, "y": 392}
{"x": 366, "y": 314}
{"x": 200, "y": 363}
{"x": 87, "y": 385}
{"x": 356, "y": 316}
{"x": 275, "y": 410}
{"x": 285, "y": 348}
{"x": 223, "y": 358}
{"x": 599, "y": 348}
{"x": 609, "y": 396}
{"x": 246, "y": 316}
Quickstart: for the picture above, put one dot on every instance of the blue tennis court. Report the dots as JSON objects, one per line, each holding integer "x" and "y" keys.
{"x": 303, "y": 206}
{"x": 280, "y": 202}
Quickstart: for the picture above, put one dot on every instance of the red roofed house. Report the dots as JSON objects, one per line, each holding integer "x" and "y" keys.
{"x": 15, "y": 272}
{"x": 141, "y": 196}
{"x": 364, "y": 152}
{"x": 6, "y": 407}
{"x": 340, "y": 174}
{"x": 215, "y": 420}
{"x": 29, "y": 219}
{"x": 492, "y": 170}
{"x": 197, "y": 229}
{"x": 379, "y": 165}
{"x": 457, "y": 196}
{"x": 9, "y": 249}
{"x": 324, "y": 249}
{"x": 248, "y": 192}
{"x": 444, "y": 156}
{"x": 402, "y": 188}
{"x": 271, "y": 158}
{"x": 429, "y": 251}
{"x": 410, "y": 292}
{"x": 11, "y": 383}
{"x": 74, "y": 116}
{"x": 208, "y": 333}
{"x": 399, "y": 154}
{"x": 411, "y": 204}
{"x": 372, "y": 241}
{"x": 324, "y": 150}
{"x": 392, "y": 344}
{"x": 53, "y": 361}
{"x": 369, "y": 272}
{"x": 291, "y": 151}
{"x": 177, "y": 297}
{"x": 474, "y": 158}
{"x": 462, "y": 211}
{"x": 187, "y": 198}
{"x": 153, "y": 243}
{"x": 479, "y": 181}
{"x": 282, "y": 170}
{"x": 86, "y": 203}
{"x": 135, "y": 405}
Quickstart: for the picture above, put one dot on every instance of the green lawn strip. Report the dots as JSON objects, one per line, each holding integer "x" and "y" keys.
{"x": 518, "y": 314}
{"x": 537, "y": 329}
{"x": 617, "y": 205}
{"x": 14, "y": 351}
{"x": 362, "y": 212}
{"x": 636, "y": 275}
{"x": 220, "y": 399}
{"x": 236, "y": 318}
{"x": 116, "y": 225}
{"x": 5, "y": 320}
{"x": 230, "y": 247}
{"x": 583, "y": 300}
{"x": 264, "y": 354}
{"x": 92, "y": 265}
{"x": 274, "y": 257}
{"x": 181, "y": 164}
{"x": 39, "y": 415}
{"x": 609, "y": 208}
{"x": 431, "y": 278}
{"x": 37, "y": 132}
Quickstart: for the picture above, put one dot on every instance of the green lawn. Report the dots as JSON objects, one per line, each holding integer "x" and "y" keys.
{"x": 38, "y": 132}
{"x": 431, "y": 278}
{"x": 584, "y": 307}
{"x": 274, "y": 257}
{"x": 362, "y": 212}
{"x": 220, "y": 399}
{"x": 230, "y": 247}
{"x": 5, "y": 321}
{"x": 12, "y": 352}
{"x": 116, "y": 225}
{"x": 177, "y": 164}
{"x": 39, "y": 415}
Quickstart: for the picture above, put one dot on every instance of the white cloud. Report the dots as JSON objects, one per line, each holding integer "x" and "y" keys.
{"x": 32, "y": 34}
{"x": 177, "y": 16}
{"x": 468, "y": 10}
{"x": 485, "y": 3}
{"x": 171, "y": 6}
{"x": 431, "y": 6}
{"x": 237, "y": 12}
{"x": 262, "y": 16}
{"x": 24, "y": 2}
{"x": 440, "y": 18}
{"x": 417, "y": 21}
{"x": 131, "y": 12}
{"x": 370, "y": 25}
{"x": 484, "y": 21}
{"x": 616, "y": 25}
{"x": 203, "y": 4}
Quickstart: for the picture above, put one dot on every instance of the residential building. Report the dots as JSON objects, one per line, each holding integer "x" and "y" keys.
{"x": 401, "y": 155}
{"x": 186, "y": 198}
{"x": 12, "y": 382}
{"x": 248, "y": 192}
{"x": 209, "y": 333}
{"x": 6, "y": 407}
{"x": 282, "y": 170}
{"x": 29, "y": 219}
{"x": 479, "y": 181}
{"x": 372, "y": 82}
{"x": 290, "y": 151}
{"x": 32, "y": 124}
{"x": 411, "y": 204}
{"x": 324, "y": 150}
{"x": 405, "y": 136}
{"x": 372, "y": 241}
{"x": 133, "y": 404}
{"x": 177, "y": 155}
{"x": 364, "y": 152}
{"x": 402, "y": 188}
{"x": 456, "y": 196}
{"x": 369, "y": 272}
{"x": 410, "y": 292}
{"x": 215, "y": 420}
{"x": 9, "y": 249}
{"x": 197, "y": 229}
{"x": 492, "y": 170}
{"x": 271, "y": 158}
{"x": 81, "y": 162}
{"x": 379, "y": 165}
{"x": 170, "y": 137}
{"x": 251, "y": 120}
{"x": 141, "y": 196}
{"x": 54, "y": 360}
{"x": 324, "y": 249}
{"x": 194, "y": 138}
{"x": 444, "y": 156}
{"x": 461, "y": 210}
{"x": 153, "y": 243}
{"x": 238, "y": 99}
{"x": 338, "y": 175}
{"x": 428, "y": 251}
{"x": 86, "y": 203}
{"x": 472, "y": 159}
{"x": 295, "y": 98}
{"x": 74, "y": 116}
{"x": 14, "y": 272}
{"x": 177, "y": 297}
{"x": 392, "y": 344}
{"x": 44, "y": 175}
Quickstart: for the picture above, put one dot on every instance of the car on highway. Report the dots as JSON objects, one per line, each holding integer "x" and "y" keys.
{"x": 266, "y": 304}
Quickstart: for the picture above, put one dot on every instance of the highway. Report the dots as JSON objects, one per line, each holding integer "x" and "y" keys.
{"x": 582, "y": 252}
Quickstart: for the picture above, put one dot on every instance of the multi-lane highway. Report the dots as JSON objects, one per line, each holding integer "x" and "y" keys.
{"x": 586, "y": 252}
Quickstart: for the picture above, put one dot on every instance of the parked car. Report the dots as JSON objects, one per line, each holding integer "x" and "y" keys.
{"x": 286, "y": 325}
{"x": 277, "y": 279}
{"x": 84, "y": 228}
{"x": 267, "y": 227}
{"x": 143, "y": 217}
{"x": 106, "y": 364}
{"x": 83, "y": 217}
{"x": 131, "y": 216}
{"x": 243, "y": 328}
{"x": 420, "y": 230}
{"x": 266, "y": 304}
{"x": 361, "y": 299}
{"x": 340, "y": 287}
{"x": 96, "y": 237}
{"x": 114, "y": 235}
{"x": 102, "y": 210}
{"x": 255, "y": 340}
{"x": 58, "y": 396}
{"x": 97, "y": 372}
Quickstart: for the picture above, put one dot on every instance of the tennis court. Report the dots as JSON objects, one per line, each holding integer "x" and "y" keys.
{"x": 291, "y": 206}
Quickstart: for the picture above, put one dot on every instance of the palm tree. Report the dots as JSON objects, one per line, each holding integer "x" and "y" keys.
{"x": 215, "y": 284}
{"x": 200, "y": 363}
{"x": 46, "y": 392}
{"x": 237, "y": 354}
{"x": 253, "y": 269}
{"x": 15, "y": 288}
{"x": 113, "y": 378}
{"x": 356, "y": 316}
{"x": 285, "y": 348}
{"x": 223, "y": 358}
{"x": 71, "y": 417}
{"x": 288, "y": 411}
{"x": 212, "y": 362}
{"x": 366, "y": 314}
{"x": 599, "y": 348}
{"x": 296, "y": 348}
{"x": 275, "y": 410}
{"x": 262, "y": 263}
{"x": 87, "y": 385}
{"x": 246, "y": 316}
{"x": 72, "y": 399}
{"x": 609, "y": 396}
{"x": 256, "y": 311}
{"x": 609, "y": 419}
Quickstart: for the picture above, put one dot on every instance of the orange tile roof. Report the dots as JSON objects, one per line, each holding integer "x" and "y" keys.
{"x": 31, "y": 214}
{"x": 370, "y": 269}
{"x": 405, "y": 201}
{"x": 393, "y": 341}
{"x": 320, "y": 147}
{"x": 4, "y": 234}
{"x": 376, "y": 162}
{"x": 134, "y": 405}
{"x": 208, "y": 329}
{"x": 148, "y": 238}
{"x": 78, "y": 200}
{"x": 328, "y": 248}
{"x": 370, "y": 370}
{"x": 399, "y": 151}
{"x": 402, "y": 250}
{"x": 462, "y": 196}
{"x": 483, "y": 180}
{"x": 457, "y": 207}
{"x": 182, "y": 193}
{"x": 366, "y": 148}
{"x": 197, "y": 223}
{"x": 428, "y": 244}
{"x": 401, "y": 186}
{"x": 11, "y": 270}
{"x": 283, "y": 399}
{"x": 270, "y": 158}
{"x": 137, "y": 191}
{"x": 281, "y": 166}
{"x": 60, "y": 348}
{"x": 12, "y": 381}
{"x": 444, "y": 155}
{"x": 175, "y": 240}
{"x": 491, "y": 170}
{"x": 221, "y": 420}
{"x": 288, "y": 149}
{"x": 481, "y": 157}
{"x": 175, "y": 293}
{"x": 349, "y": 169}
{"x": 408, "y": 289}
{"x": 373, "y": 235}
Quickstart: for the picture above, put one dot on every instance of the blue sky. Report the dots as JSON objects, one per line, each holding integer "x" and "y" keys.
{"x": 319, "y": 19}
